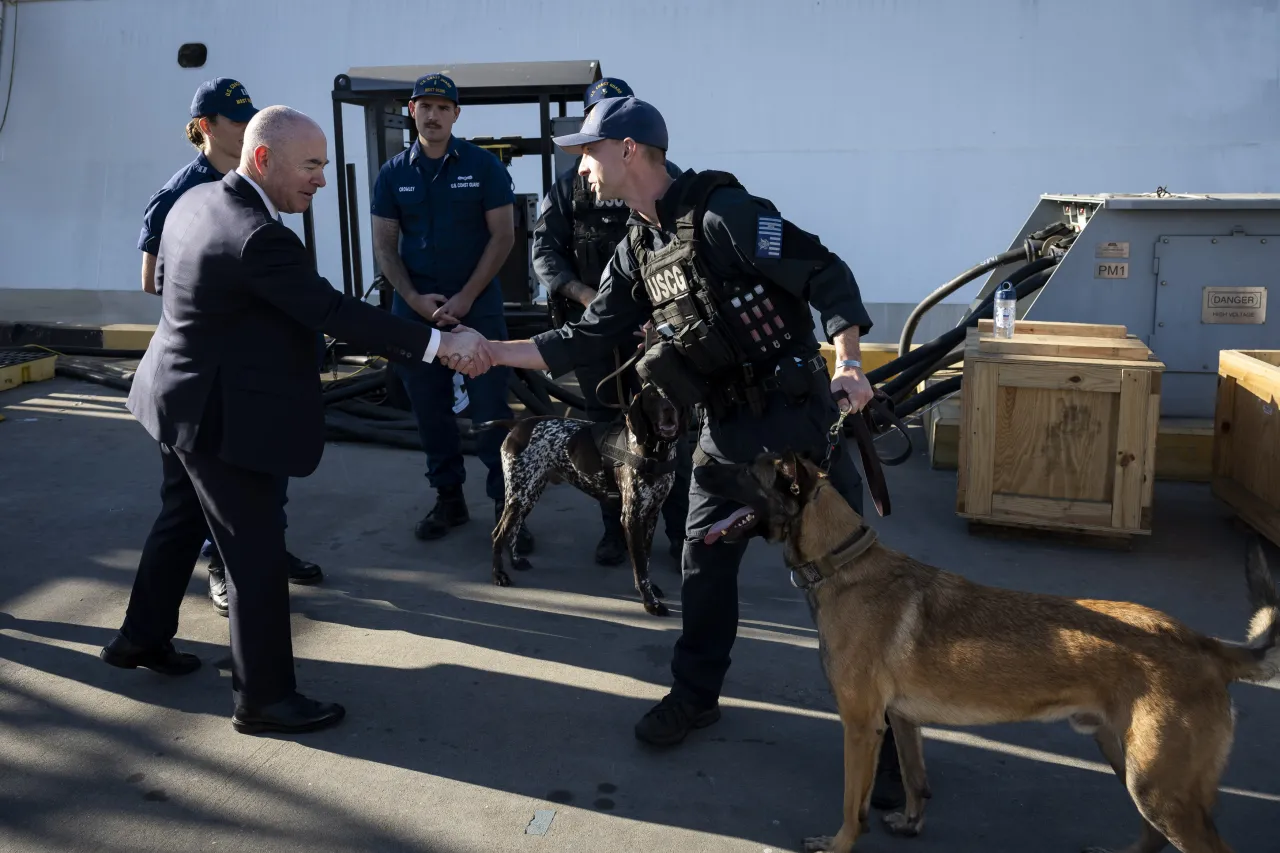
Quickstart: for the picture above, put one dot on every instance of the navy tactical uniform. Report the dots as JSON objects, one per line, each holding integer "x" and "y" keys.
{"x": 725, "y": 275}
{"x": 226, "y": 98}
{"x": 573, "y": 240}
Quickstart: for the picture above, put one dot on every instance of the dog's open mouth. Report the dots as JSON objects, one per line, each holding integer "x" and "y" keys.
{"x": 729, "y": 528}
{"x": 668, "y": 431}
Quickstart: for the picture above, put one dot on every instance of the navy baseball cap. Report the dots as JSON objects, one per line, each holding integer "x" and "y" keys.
{"x": 223, "y": 97}
{"x": 606, "y": 87}
{"x": 620, "y": 118}
{"x": 434, "y": 84}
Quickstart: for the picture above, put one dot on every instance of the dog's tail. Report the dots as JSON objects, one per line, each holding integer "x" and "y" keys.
{"x": 502, "y": 424}
{"x": 1259, "y": 658}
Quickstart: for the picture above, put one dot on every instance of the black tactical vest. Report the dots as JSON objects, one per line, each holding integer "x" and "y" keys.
{"x": 717, "y": 325}
{"x": 598, "y": 228}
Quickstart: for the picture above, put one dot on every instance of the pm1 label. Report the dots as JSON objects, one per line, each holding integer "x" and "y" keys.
{"x": 1240, "y": 305}
{"x": 1105, "y": 269}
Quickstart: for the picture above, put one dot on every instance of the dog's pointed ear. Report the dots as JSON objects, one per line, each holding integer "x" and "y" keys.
{"x": 807, "y": 474}
{"x": 788, "y": 470}
{"x": 638, "y": 421}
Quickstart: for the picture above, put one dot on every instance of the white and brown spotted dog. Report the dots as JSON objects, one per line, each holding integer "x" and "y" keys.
{"x": 541, "y": 450}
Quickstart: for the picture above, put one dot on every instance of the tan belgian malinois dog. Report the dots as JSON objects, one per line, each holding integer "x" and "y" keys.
{"x": 926, "y": 646}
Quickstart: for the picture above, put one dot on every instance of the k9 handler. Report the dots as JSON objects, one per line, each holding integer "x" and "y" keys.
{"x": 727, "y": 283}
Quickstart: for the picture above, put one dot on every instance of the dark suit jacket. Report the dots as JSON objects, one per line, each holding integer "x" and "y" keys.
{"x": 231, "y": 369}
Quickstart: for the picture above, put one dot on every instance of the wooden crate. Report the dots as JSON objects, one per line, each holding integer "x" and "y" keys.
{"x": 1058, "y": 429}
{"x": 1246, "y": 443}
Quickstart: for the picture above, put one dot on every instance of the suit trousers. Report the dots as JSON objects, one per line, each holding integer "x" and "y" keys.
{"x": 242, "y": 510}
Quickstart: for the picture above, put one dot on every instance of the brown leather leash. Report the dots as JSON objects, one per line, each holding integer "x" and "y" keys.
{"x": 865, "y": 425}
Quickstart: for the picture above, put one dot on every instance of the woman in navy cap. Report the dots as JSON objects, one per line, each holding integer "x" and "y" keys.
{"x": 220, "y": 112}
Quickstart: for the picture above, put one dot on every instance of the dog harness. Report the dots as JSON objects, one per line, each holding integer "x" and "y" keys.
{"x": 611, "y": 440}
{"x": 808, "y": 575}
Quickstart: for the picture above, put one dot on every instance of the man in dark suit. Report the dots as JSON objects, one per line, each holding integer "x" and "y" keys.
{"x": 229, "y": 389}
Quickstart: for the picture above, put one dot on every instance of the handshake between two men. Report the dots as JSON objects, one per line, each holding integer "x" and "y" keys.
{"x": 464, "y": 349}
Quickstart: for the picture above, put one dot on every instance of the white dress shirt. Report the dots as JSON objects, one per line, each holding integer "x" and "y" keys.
{"x": 432, "y": 347}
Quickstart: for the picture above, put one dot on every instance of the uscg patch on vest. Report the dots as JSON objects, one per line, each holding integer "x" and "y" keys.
{"x": 768, "y": 236}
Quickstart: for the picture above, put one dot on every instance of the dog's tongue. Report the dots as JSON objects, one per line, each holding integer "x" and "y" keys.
{"x": 720, "y": 527}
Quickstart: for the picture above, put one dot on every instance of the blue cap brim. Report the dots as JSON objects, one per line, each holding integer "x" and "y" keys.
{"x": 576, "y": 140}
{"x": 242, "y": 114}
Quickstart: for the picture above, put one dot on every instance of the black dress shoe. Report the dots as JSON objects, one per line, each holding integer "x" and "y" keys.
{"x": 303, "y": 572}
{"x": 294, "y": 715}
{"x": 162, "y": 659}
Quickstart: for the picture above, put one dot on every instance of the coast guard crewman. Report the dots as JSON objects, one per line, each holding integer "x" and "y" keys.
{"x": 443, "y": 225}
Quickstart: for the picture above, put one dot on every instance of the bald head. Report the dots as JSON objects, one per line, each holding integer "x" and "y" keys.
{"x": 285, "y": 153}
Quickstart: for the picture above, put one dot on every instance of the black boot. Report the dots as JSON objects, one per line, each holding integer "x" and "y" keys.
{"x": 450, "y": 511}
{"x": 302, "y": 571}
{"x": 668, "y": 722}
{"x": 524, "y": 539}
{"x": 888, "y": 793}
{"x": 611, "y": 550}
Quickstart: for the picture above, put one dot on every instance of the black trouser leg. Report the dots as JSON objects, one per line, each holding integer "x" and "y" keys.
{"x": 168, "y": 558}
{"x": 709, "y": 593}
{"x": 243, "y": 509}
{"x": 675, "y": 509}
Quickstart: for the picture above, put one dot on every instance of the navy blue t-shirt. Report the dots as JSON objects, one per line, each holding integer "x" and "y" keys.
{"x": 198, "y": 171}
{"x": 440, "y": 205}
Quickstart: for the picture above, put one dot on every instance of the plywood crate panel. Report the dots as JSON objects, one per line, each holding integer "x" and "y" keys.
{"x": 1058, "y": 429}
{"x": 1246, "y": 441}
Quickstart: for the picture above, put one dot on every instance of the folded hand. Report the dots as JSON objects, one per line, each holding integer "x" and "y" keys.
{"x": 432, "y": 306}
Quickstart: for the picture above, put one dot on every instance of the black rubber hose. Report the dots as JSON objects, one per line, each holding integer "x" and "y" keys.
{"x": 357, "y": 386}
{"x": 343, "y": 427}
{"x": 373, "y": 412}
{"x": 917, "y": 313}
{"x": 348, "y": 407}
{"x": 935, "y": 392}
{"x": 947, "y": 340}
{"x": 89, "y": 374}
{"x": 526, "y": 396}
{"x": 559, "y": 392}
{"x": 909, "y": 379}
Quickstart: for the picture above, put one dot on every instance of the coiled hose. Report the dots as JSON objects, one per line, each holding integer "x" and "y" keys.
{"x": 1030, "y": 247}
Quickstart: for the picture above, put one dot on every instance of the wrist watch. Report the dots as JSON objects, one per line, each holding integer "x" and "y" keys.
{"x": 849, "y": 362}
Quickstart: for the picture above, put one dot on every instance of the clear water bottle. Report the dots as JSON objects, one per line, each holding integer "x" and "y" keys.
{"x": 1006, "y": 303}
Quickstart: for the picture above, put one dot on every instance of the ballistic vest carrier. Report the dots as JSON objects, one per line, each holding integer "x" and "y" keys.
{"x": 717, "y": 325}
{"x": 598, "y": 228}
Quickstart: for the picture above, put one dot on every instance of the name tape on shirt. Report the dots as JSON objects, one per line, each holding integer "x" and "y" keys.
{"x": 768, "y": 236}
